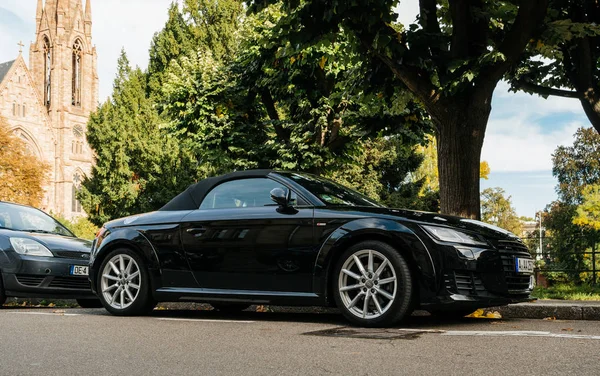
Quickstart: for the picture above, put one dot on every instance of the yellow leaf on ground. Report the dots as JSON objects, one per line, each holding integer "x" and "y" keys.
{"x": 551, "y": 318}
{"x": 478, "y": 313}
{"x": 493, "y": 315}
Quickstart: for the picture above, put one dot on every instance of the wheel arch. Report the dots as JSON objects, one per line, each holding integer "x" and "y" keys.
{"x": 131, "y": 239}
{"x": 390, "y": 232}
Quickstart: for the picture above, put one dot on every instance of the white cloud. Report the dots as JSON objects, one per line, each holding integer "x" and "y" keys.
{"x": 515, "y": 144}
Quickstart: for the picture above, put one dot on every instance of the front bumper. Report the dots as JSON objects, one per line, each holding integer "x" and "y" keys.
{"x": 45, "y": 277}
{"x": 488, "y": 278}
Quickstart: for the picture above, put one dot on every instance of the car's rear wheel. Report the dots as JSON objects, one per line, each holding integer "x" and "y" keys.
{"x": 124, "y": 284}
{"x": 373, "y": 285}
{"x": 89, "y": 303}
{"x": 229, "y": 307}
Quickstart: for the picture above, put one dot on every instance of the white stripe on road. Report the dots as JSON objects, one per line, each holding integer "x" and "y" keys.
{"x": 516, "y": 333}
{"x": 47, "y": 313}
{"x": 204, "y": 320}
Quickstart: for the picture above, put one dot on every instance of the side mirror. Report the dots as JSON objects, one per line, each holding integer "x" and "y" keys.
{"x": 281, "y": 196}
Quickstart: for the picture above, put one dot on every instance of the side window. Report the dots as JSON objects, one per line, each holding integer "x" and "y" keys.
{"x": 242, "y": 193}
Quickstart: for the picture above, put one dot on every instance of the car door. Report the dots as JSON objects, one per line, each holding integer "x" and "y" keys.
{"x": 239, "y": 239}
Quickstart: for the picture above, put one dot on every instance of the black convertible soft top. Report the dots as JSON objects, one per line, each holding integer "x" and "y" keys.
{"x": 192, "y": 197}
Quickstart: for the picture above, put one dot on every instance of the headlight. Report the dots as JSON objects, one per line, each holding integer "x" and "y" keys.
{"x": 449, "y": 235}
{"x": 30, "y": 247}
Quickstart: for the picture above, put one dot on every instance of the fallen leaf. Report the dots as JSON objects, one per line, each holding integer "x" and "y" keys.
{"x": 493, "y": 315}
{"x": 567, "y": 329}
{"x": 551, "y": 318}
{"x": 476, "y": 314}
{"x": 51, "y": 305}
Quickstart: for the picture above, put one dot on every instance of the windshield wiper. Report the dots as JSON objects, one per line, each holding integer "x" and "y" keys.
{"x": 43, "y": 232}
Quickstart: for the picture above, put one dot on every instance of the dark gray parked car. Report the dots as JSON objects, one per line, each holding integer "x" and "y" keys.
{"x": 40, "y": 258}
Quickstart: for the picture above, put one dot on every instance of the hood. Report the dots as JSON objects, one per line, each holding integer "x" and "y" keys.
{"x": 427, "y": 218}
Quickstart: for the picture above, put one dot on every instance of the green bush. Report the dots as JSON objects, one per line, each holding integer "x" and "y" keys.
{"x": 568, "y": 292}
{"x": 80, "y": 226}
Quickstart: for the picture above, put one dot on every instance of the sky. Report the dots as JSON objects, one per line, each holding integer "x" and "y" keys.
{"x": 522, "y": 133}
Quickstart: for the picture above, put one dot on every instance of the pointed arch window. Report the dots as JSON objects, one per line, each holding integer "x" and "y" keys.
{"x": 76, "y": 80}
{"x": 75, "y": 204}
{"x": 47, "y": 72}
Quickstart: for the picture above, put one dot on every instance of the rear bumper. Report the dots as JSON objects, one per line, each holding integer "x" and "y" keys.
{"x": 46, "y": 278}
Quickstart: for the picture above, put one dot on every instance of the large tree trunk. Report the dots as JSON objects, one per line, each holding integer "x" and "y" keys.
{"x": 460, "y": 132}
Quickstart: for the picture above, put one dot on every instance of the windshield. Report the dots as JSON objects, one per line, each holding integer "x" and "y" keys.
{"x": 332, "y": 194}
{"x": 24, "y": 218}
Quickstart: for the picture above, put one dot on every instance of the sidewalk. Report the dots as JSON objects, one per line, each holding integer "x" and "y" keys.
{"x": 557, "y": 309}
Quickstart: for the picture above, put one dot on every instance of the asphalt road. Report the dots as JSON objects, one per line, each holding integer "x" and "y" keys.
{"x": 91, "y": 342}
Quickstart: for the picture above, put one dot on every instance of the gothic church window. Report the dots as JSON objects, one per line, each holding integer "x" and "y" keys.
{"x": 75, "y": 204}
{"x": 14, "y": 109}
{"x": 76, "y": 79}
{"x": 47, "y": 72}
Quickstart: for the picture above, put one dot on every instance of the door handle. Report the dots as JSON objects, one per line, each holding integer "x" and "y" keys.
{"x": 196, "y": 231}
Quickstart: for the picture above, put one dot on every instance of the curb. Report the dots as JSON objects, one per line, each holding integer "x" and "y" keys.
{"x": 551, "y": 310}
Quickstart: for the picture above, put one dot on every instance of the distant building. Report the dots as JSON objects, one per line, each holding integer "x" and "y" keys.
{"x": 48, "y": 104}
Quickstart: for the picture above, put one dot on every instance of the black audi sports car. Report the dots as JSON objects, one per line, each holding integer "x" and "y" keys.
{"x": 40, "y": 258}
{"x": 288, "y": 238}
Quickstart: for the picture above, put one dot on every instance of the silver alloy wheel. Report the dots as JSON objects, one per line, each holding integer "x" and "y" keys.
{"x": 367, "y": 284}
{"x": 121, "y": 281}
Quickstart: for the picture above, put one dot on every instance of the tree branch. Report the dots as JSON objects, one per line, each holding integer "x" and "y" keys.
{"x": 531, "y": 13}
{"x": 546, "y": 91}
{"x": 428, "y": 19}
{"x": 282, "y": 134}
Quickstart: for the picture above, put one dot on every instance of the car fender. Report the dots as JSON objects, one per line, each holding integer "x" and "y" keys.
{"x": 132, "y": 238}
{"x": 390, "y": 231}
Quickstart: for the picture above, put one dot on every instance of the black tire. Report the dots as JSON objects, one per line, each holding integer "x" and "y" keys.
{"x": 229, "y": 307}
{"x": 401, "y": 305}
{"x": 144, "y": 302}
{"x": 2, "y": 294}
{"x": 89, "y": 303}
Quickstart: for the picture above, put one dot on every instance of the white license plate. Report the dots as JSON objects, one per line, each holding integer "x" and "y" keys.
{"x": 79, "y": 270}
{"x": 524, "y": 265}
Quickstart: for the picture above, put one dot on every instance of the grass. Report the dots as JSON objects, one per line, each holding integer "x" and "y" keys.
{"x": 568, "y": 292}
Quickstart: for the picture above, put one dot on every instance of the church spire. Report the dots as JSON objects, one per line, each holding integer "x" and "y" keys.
{"x": 88, "y": 18}
{"x": 38, "y": 15}
{"x": 88, "y": 11}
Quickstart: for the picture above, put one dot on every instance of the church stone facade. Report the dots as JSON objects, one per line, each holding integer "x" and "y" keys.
{"x": 48, "y": 103}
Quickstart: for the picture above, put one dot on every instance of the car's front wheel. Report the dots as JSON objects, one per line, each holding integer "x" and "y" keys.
{"x": 124, "y": 284}
{"x": 373, "y": 284}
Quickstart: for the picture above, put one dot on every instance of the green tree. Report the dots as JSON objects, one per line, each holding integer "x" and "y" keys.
{"x": 174, "y": 40}
{"x": 497, "y": 210}
{"x": 451, "y": 60}
{"x": 569, "y": 222}
{"x": 309, "y": 110}
{"x": 138, "y": 166}
{"x": 570, "y": 46}
{"x": 588, "y": 212}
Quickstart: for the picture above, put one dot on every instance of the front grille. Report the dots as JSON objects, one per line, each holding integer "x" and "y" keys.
{"x": 73, "y": 255}
{"x": 30, "y": 280}
{"x": 464, "y": 283}
{"x": 516, "y": 283}
{"x": 70, "y": 283}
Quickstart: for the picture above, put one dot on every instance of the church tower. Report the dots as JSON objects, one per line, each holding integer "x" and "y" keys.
{"x": 63, "y": 66}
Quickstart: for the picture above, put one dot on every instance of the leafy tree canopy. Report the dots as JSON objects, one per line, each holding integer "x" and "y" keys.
{"x": 138, "y": 166}
{"x": 497, "y": 209}
{"x": 451, "y": 60}
{"x": 563, "y": 60}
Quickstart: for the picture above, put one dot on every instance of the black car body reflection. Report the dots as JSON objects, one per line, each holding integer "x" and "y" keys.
{"x": 268, "y": 237}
